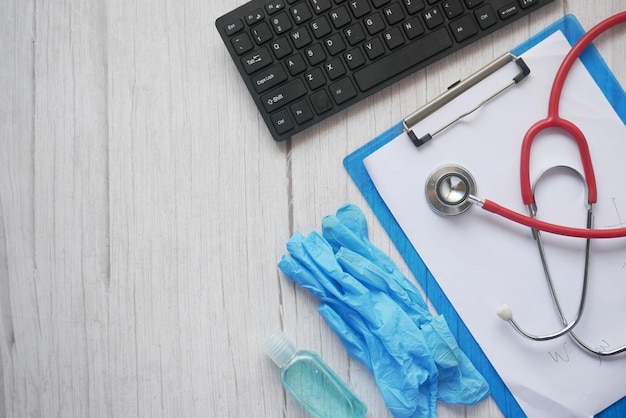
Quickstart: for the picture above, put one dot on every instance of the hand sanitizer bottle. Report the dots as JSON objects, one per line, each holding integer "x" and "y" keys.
{"x": 312, "y": 382}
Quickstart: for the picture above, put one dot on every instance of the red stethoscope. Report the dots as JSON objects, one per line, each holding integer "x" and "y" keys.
{"x": 553, "y": 120}
{"x": 450, "y": 190}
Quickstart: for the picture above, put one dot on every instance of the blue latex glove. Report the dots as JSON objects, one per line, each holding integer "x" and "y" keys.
{"x": 403, "y": 396}
{"x": 377, "y": 332}
{"x": 459, "y": 381}
{"x": 381, "y": 318}
{"x": 348, "y": 228}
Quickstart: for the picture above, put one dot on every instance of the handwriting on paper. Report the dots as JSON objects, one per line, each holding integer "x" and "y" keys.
{"x": 562, "y": 356}
{"x": 619, "y": 223}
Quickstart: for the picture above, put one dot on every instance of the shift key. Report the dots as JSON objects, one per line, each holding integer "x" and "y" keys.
{"x": 283, "y": 95}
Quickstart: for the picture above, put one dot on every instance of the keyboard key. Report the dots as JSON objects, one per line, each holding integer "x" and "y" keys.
{"x": 301, "y": 111}
{"x": 282, "y": 121}
{"x": 242, "y": 43}
{"x": 354, "y": 58}
{"x": 261, "y": 33}
{"x": 403, "y": 59}
{"x": 274, "y": 6}
{"x": 359, "y": 8}
{"x": 300, "y": 13}
{"x": 320, "y": 27}
{"x": 335, "y": 44}
{"x": 233, "y": 27}
{"x": 472, "y": 3}
{"x": 433, "y": 17}
{"x": 527, "y": 3}
{"x": 452, "y": 8}
{"x": 300, "y": 37}
{"x": 374, "y": 48}
{"x": 508, "y": 11}
{"x": 321, "y": 102}
{"x": 281, "y": 47}
{"x": 315, "y": 79}
{"x": 354, "y": 34}
{"x": 320, "y": 6}
{"x": 269, "y": 78}
{"x": 295, "y": 64}
{"x": 340, "y": 17}
{"x": 485, "y": 16}
{"x": 255, "y": 16}
{"x": 256, "y": 60}
{"x": 374, "y": 24}
{"x": 315, "y": 54}
{"x": 413, "y": 28}
{"x": 393, "y": 13}
{"x": 463, "y": 28}
{"x": 283, "y": 95}
{"x": 281, "y": 23}
{"x": 393, "y": 38}
{"x": 335, "y": 69}
{"x": 342, "y": 90}
{"x": 413, "y": 6}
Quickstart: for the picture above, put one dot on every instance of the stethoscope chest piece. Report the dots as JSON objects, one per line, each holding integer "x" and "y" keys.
{"x": 448, "y": 189}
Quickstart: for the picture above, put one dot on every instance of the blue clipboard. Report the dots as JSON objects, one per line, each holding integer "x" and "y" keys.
{"x": 353, "y": 163}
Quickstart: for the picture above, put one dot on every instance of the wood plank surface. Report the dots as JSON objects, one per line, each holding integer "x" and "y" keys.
{"x": 144, "y": 206}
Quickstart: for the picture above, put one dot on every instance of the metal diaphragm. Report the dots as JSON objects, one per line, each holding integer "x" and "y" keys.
{"x": 448, "y": 189}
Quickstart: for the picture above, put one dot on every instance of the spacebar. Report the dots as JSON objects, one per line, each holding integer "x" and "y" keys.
{"x": 403, "y": 59}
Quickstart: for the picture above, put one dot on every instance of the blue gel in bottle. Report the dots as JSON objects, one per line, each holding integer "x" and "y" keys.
{"x": 312, "y": 382}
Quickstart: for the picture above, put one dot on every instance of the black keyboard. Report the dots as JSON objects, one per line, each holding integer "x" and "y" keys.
{"x": 305, "y": 60}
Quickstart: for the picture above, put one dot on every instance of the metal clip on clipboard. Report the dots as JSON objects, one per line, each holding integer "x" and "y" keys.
{"x": 457, "y": 89}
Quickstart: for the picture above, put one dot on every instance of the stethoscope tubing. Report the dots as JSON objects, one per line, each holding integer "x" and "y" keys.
{"x": 554, "y": 120}
{"x": 548, "y": 227}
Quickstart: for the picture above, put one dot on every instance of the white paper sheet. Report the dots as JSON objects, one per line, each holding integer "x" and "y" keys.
{"x": 482, "y": 261}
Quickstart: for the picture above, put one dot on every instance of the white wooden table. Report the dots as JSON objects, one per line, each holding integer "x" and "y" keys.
{"x": 144, "y": 206}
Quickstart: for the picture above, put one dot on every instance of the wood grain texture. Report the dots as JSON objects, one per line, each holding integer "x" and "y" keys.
{"x": 144, "y": 206}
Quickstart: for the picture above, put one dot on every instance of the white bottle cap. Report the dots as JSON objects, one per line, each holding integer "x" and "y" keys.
{"x": 279, "y": 348}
